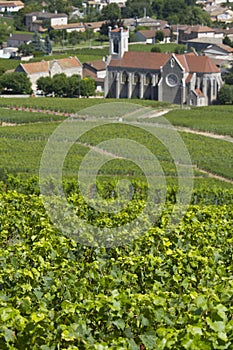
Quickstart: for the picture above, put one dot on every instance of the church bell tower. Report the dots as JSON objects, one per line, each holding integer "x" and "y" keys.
{"x": 118, "y": 38}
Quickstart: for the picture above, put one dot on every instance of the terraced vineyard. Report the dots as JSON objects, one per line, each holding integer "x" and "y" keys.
{"x": 169, "y": 287}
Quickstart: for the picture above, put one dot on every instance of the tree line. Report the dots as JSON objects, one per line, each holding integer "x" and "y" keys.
{"x": 59, "y": 85}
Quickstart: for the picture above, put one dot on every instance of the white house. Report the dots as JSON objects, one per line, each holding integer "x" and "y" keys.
{"x": 36, "y": 70}
{"x": 34, "y": 21}
{"x": 11, "y": 6}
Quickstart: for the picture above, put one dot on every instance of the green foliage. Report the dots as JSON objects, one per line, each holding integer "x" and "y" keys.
{"x": 111, "y": 12}
{"x": 169, "y": 289}
{"x": 15, "y": 83}
{"x": 225, "y": 95}
{"x": 156, "y": 49}
{"x": 87, "y": 87}
{"x": 159, "y": 35}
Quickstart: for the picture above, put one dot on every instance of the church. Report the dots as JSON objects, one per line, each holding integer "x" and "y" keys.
{"x": 185, "y": 79}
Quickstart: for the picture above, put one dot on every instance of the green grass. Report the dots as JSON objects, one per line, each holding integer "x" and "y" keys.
{"x": 8, "y": 64}
{"x": 214, "y": 119}
{"x": 71, "y": 105}
{"x": 147, "y": 47}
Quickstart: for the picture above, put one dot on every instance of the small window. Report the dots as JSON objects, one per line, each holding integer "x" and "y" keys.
{"x": 124, "y": 77}
{"x": 172, "y": 62}
{"x": 136, "y": 79}
{"x": 115, "y": 46}
{"x": 148, "y": 79}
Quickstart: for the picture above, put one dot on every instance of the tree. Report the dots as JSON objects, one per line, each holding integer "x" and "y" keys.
{"x": 26, "y": 49}
{"x": 225, "y": 95}
{"x": 47, "y": 45}
{"x": 87, "y": 87}
{"x": 60, "y": 85}
{"x": 4, "y": 32}
{"x": 155, "y": 49}
{"x": 136, "y": 8}
{"x": 111, "y": 12}
{"x": 74, "y": 85}
{"x": 159, "y": 35}
{"x": 45, "y": 84}
{"x": 227, "y": 41}
{"x": 37, "y": 43}
{"x": 61, "y": 6}
{"x": 15, "y": 83}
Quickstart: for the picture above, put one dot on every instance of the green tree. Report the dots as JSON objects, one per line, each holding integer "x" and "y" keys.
{"x": 61, "y": 6}
{"x": 87, "y": 87}
{"x": 45, "y": 84}
{"x": 15, "y": 83}
{"x": 225, "y": 95}
{"x": 159, "y": 35}
{"x": 111, "y": 12}
{"x": 136, "y": 8}
{"x": 75, "y": 38}
{"x": 60, "y": 85}
{"x": 227, "y": 41}
{"x": 155, "y": 49}
{"x": 5, "y": 30}
{"x": 47, "y": 45}
{"x": 26, "y": 49}
{"x": 37, "y": 43}
{"x": 74, "y": 85}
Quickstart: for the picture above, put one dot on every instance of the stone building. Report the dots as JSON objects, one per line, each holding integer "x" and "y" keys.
{"x": 181, "y": 79}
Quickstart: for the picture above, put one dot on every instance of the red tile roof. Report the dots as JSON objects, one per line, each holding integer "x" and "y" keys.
{"x": 44, "y": 66}
{"x": 201, "y": 64}
{"x": 143, "y": 60}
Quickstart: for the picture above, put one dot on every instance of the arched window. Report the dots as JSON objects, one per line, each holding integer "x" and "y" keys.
{"x": 148, "y": 79}
{"x": 124, "y": 77}
{"x": 115, "y": 46}
{"x": 136, "y": 78}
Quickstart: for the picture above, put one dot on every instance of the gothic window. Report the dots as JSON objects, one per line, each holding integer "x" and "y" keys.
{"x": 148, "y": 79}
{"x": 172, "y": 62}
{"x": 136, "y": 78}
{"x": 124, "y": 77}
{"x": 115, "y": 46}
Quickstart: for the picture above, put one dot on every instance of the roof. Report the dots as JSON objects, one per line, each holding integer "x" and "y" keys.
{"x": 69, "y": 26}
{"x": 189, "y": 77}
{"x": 198, "y": 29}
{"x": 96, "y": 65}
{"x": 44, "y": 66}
{"x": 151, "y": 33}
{"x": 116, "y": 30}
{"x": 22, "y": 37}
{"x": 46, "y": 15}
{"x": 145, "y": 60}
{"x": 90, "y": 74}
{"x": 221, "y": 46}
{"x": 201, "y": 64}
{"x": 11, "y": 3}
{"x": 155, "y": 60}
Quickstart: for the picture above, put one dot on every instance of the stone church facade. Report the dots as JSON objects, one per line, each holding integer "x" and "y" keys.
{"x": 181, "y": 79}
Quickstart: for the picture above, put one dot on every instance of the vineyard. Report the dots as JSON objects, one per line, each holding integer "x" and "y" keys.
{"x": 168, "y": 288}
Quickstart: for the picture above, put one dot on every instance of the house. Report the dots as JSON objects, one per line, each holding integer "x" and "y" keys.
{"x": 151, "y": 23}
{"x": 95, "y": 26}
{"x": 71, "y": 27}
{"x": 219, "y": 52}
{"x": 199, "y": 44}
{"x": 149, "y": 36}
{"x": 36, "y": 70}
{"x": 181, "y": 79}
{"x": 186, "y": 32}
{"x": 11, "y": 6}
{"x": 34, "y": 21}
{"x": 15, "y": 40}
{"x": 97, "y": 71}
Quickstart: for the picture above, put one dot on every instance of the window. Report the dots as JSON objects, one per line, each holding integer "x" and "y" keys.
{"x": 136, "y": 79}
{"x": 124, "y": 77}
{"x": 148, "y": 79}
{"x": 115, "y": 46}
{"x": 172, "y": 79}
{"x": 172, "y": 62}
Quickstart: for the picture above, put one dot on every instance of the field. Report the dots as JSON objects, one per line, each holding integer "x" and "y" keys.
{"x": 85, "y": 277}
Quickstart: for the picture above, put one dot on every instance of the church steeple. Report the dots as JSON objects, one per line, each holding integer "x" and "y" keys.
{"x": 118, "y": 42}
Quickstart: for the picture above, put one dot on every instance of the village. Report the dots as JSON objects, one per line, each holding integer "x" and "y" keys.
{"x": 192, "y": 73}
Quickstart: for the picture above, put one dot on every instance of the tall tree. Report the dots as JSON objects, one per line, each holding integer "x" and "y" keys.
{"x": 15, "y": 83}
{"x": 111, "y": 12}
